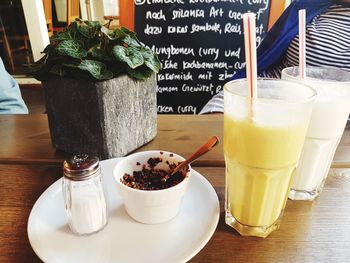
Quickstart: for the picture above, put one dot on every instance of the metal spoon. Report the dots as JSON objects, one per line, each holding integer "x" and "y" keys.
{"x": 213, "y": 141}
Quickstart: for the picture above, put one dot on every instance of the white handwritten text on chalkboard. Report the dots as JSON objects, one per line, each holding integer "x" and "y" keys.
{"x": 199, "y": 43}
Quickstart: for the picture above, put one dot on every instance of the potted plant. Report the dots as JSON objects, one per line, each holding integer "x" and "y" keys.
{"x": 100, "y": 89}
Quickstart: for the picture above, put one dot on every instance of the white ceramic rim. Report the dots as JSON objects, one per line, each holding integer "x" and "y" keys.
{"x": 156, "y": 154}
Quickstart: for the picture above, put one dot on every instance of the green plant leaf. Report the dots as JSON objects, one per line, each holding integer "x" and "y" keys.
{"x": 140, "y": 73}
{"x": 71, "y": 48}
{"x": 130, "y": 41}
{"x": 119, "y": 33}
{"x": 58, "y": 70}
{"x": 95, "y": 24}
{"x": 127, "y": 32}
{"x": 61, "y": 35}
{"x": 71, "y": 65}
{"x": 99, "y": 54}
{"x": 130, "y": 56}
{"x": 88, "y": 50}
{"x": 109, "y": 33}
{"x": 151, "y": 60}
{"x": 81, "y": 74}
{"x": 97, "y": 69}
{"x": 47, "y": 49}
{"x": 75, "y": 34}
{"x": 38, "y": 69}
{"x": 86, "y": 31}
{"x": 88, "y": 28}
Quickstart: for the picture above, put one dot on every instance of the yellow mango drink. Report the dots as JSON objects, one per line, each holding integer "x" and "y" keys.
{"x": 263, "y": 139}
{"x": 257, "y": 174}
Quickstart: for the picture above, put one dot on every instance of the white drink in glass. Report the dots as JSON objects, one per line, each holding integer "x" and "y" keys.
{"x": 329, "y": 116}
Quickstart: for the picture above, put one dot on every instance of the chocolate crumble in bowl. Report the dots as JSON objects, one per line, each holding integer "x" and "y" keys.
{"x": 154, "y": 179}
{"x": 150, "y": 194}
{"x": 152, "y": 162}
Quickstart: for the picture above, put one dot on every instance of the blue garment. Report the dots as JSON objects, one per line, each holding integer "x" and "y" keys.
{"x": 277, "y": 40}
{"x": 11, "y": 101}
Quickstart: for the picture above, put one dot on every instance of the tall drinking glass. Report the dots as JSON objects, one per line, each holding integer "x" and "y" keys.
{"x": 263, "y": 138}
{"x": 327, "y": 123}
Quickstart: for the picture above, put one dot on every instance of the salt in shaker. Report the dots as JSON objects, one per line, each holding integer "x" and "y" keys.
{"x": 84, "y": 196}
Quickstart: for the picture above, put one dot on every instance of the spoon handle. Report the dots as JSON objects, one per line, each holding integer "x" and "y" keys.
{"x": 213, "y": 141}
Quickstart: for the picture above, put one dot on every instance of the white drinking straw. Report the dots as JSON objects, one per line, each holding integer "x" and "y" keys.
{"x": 250, "y": 53}
{"x": 250, "y": 59}
{"x": 302, "y": 45}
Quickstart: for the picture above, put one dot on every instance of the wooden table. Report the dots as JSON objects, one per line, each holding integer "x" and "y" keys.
{"x": 26, "y": 140}
{"x": 316, "y": 231}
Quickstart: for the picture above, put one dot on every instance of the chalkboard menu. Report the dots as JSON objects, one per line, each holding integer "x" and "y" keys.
{"x": 200, "y": 44}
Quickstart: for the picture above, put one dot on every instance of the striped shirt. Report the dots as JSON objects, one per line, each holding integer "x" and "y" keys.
{"x": 327, "y": 44}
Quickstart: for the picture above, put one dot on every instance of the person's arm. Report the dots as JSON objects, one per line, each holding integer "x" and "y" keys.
{"x": 11, "y": 101}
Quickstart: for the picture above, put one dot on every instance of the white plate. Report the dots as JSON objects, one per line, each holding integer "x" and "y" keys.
{"x": 123, "y": 239}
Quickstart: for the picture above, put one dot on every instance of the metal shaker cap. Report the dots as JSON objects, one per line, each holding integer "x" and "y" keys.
{"x": 81, "y": 167}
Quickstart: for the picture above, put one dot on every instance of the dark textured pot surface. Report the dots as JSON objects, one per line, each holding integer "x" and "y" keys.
{"x": 109, "y": 118}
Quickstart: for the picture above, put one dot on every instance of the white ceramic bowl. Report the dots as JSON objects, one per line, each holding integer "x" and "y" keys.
{"x": 150, "y": 206}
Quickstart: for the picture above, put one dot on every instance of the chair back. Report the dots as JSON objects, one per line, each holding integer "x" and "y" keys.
{"x": 48, "y": 15}
{"x": 72, "y": 10}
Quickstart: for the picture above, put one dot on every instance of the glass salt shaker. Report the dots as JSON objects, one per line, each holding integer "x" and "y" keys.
{"x": 84, "y": 196}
